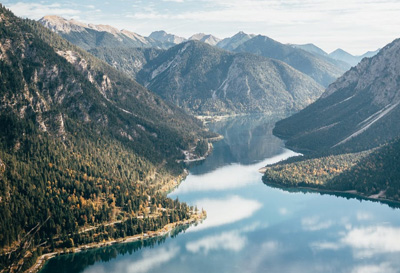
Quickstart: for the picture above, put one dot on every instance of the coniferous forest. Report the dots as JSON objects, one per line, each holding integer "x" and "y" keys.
{"x": 86, "y": 153}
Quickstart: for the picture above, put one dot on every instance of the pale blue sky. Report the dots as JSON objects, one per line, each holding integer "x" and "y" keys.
{"x": 354, "y": 25}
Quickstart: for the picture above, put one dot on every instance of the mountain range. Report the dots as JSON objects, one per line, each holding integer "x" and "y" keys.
{"x": 88, "y": 36}
{"x": 339, "y": 54}
{"x": 206, "y": 80}
{"x": 322, "y": 70}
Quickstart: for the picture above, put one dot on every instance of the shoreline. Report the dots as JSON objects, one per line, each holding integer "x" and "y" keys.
{"x": 164, "y": 231}
{"x": 166, "y": 189}
{"x": 352, "y": 193}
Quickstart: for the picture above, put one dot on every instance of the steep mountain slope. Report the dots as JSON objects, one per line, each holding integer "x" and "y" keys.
{"x": 80, "y": 144}
{"x": 205, "y": 38}
{"x": 164, "y": 37}
{"x": 204, "y": 79}
{"x": 341, "y": 55}
{"x": 322, "y": 70}
{"x": 359, "y": 111}
{"x": 88, "y": 36}
{"x": 127, "y": 60}
{"x": 236, "y": 40}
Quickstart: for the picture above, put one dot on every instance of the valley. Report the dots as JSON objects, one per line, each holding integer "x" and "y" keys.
{"x": 183, "y": 151}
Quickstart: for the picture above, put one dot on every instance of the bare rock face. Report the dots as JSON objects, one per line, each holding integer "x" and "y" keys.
{"x": 89, "y": 36}
{"x": 205, "y": 38}
{"x": 358, "y": 111}
{"x": 163, "y": 36}
{"x": 379, "y": 74}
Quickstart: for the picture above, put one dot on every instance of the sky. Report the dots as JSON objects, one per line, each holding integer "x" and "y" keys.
{"x": 356, "y": 26}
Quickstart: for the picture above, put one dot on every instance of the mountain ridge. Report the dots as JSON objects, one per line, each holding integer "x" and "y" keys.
{"x": 356, "y": 112}
{"x": 88, "y": 36}
{"x": 320, "y": 69}
{"x": 214, "y": 75}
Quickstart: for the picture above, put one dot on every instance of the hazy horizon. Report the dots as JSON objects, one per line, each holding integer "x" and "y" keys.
{"x": 355, "y": 26}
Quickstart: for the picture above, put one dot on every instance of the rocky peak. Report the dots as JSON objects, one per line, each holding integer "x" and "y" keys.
{"x": 163, "y": 36}
{"x": 205, "y": 38}
{"x": 378, "y": 75}
{"x": 59, "y": 24}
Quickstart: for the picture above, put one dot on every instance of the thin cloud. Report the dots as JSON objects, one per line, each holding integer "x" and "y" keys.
{"x": 354, "y": 25}
{"x": 37, "y": 10}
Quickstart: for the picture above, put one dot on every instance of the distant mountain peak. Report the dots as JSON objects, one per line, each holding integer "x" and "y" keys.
{"x": 60, "y": 24}
{"x": 339, "y": 51}
{"x": 205, "y": 38}
{"x": 163, "y": 36}
{"x": 90, "y": 36}
{"x": 236, "y": 40}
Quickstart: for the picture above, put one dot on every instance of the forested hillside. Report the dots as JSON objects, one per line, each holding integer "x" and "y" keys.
{"x": 81, "y": 144}
{"x": 372, "y": 174}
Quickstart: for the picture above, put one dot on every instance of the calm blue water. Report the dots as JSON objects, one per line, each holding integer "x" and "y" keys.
{"x": 255, "y": 228}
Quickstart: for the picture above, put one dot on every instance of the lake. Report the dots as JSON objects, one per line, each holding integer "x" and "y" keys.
{"x": 251, "y": 227}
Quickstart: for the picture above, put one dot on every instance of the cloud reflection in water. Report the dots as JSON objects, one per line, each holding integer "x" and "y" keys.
{"x": 231, "y": 240}
{"x": 366, "y": 242}
{"x": 225, "y": 211}
{"x": 229, "y": 177}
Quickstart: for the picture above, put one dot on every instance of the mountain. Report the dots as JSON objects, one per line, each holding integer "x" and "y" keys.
{"x": 128, "y": 60}
{"x": 88, "y": 36}
{"x": 205, "y": 38}
{"x": 357, "y": 112}
{"x": 322, "y": 70}
{"x": 204, "y": 79}
{"x": 341, "y": 55}
{"x": 234, "y": 41}
{"x": 164, "y": 37}
{"x": 81, "y": 144}
{"x": 311, "y": 48}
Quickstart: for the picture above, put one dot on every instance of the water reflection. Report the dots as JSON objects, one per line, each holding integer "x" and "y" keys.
{"x": 78, "y": 262}
{"x": 230, "y": 240}
{"x": 229, "y": 177}
{"x": 225, "y": 211}
{"x": 247, "y": 140}
{"x": 369, "y": 241}
{"x": 255, "y": 228}
{"x": 314, "y": 223}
